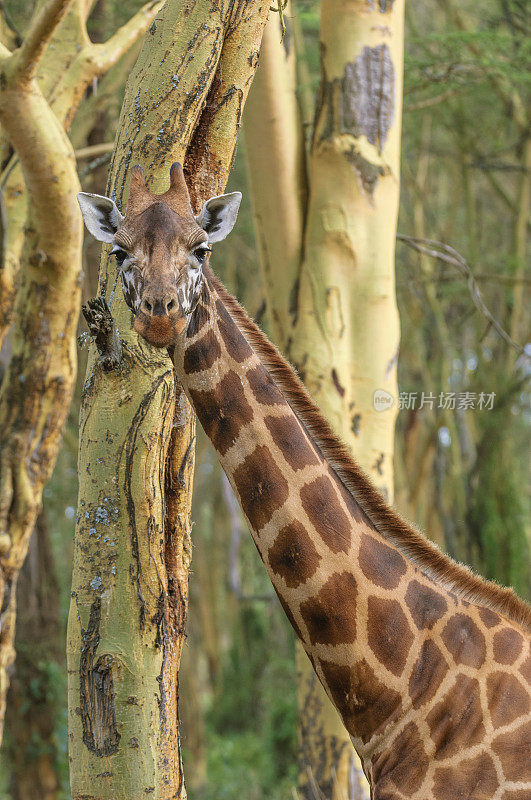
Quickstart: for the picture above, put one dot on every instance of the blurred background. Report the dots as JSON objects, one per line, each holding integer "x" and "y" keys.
{"x": 460, "y": 473}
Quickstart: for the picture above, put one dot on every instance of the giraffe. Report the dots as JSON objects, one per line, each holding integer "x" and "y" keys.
{"x": 428, "y": 665}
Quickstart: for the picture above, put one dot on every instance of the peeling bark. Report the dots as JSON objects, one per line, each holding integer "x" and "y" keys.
{"x": 98, "y": 716}
{"x": 362, "y": 101}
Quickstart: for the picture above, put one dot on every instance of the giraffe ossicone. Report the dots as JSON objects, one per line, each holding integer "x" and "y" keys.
{"x": 428, "y": 665}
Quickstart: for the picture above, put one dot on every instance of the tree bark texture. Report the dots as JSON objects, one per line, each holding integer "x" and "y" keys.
{"x": 328, "y": 267}
{"x": 65, "y": 71}
{"x": 37, "y": 387}
{"x": 183, "y": 102}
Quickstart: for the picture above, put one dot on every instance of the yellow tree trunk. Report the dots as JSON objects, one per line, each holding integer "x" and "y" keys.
{"x": 340, "y": 327}
{"x": 65, "y": 71}
{"x": 127, "y": 616}
{"x": 37, "y": 387}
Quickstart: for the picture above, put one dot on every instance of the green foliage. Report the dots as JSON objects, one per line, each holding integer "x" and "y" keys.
{"x": 251, "y": 725}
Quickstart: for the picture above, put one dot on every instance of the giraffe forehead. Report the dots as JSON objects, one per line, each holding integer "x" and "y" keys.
{"x": 159, "y": 228}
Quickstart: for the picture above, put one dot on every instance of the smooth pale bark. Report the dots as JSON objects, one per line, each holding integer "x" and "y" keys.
{"x": 342, "y": 327}
{"x": 126, "y": 624}
{"x": 65, "y": 71}
{"x": 37, "y": 387}
{"x": 277, "y": 175}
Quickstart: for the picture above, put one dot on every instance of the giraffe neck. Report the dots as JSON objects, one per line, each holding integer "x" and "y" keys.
{"x": 397, "y": 653}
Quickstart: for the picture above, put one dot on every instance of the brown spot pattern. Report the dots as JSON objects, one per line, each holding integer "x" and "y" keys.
{"x": 264, "y": 388}
{"x": 388, "y": 633}
{"x": 507, "y": 646}
{"x": 354, "y": 509}
{"x": 489, "y": 618}
{"x": 198, "y": 318}
{"x": 261, "y": 486}
{"x": 472, "y": 778}
{"x": 427, "y": 675}
{"x": 291, "y": 441}
{"x": 507, "y": 698}
{"x": 404, "y": 763}
{"x": 525, "y": 670}
{"x": 513, "y": 750}
{"x": 321, "y": 504}
{"x": 202, "y": 354}
{"x": 457, "y": 720}
{"x": 222, "y": 411}
{"x": 330, "y": 616}
{"x": 426, "y": 605}
{"x": 464, "y": 641}
{"x": 293, "y": 555}
{"x": 235, "y": 343}
{"x": 381, "y": 564}
{"x": 365, "y": 704}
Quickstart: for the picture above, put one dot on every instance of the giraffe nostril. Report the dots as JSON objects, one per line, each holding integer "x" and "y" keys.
{"x": 170, "y": 305}
{"x": 148, "y": 307}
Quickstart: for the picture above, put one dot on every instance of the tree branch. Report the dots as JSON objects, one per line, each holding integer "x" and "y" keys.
{"x": 445, "y": 253}
{"x": 41, "y": 30}
{"x": 94, "y": 150}
{"x": 105, "y": 55}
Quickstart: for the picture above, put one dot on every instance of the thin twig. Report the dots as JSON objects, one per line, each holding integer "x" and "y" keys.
{"x": 94, "y": 150}
{"x": 443, "y": 252}
{"x": 279, "y": 9}
{"x": 431, "y": 101}
{"x": 492, "y": 277}
{"x": 92, "y": 165}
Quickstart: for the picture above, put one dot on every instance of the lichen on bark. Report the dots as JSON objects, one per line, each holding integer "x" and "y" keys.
{"x": 133, "y": 533}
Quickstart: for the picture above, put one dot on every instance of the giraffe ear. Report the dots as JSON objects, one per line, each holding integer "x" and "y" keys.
{"x": 218, "y": 215}
{"x": 101, "y": 215}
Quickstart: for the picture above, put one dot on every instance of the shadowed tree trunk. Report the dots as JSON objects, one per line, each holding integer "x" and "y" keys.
{"x": 32, "y": 706}
{"x": 327, "y": 254}
{"x": 132, "y": 549}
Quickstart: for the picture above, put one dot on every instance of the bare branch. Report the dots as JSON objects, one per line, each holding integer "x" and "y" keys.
{"x": 443, "y": 252}
{"x": 41, "y": 30}
{"x": 105, "y": 55}
{"x": 94, "y": 150}
{"x": 431, "y": 101}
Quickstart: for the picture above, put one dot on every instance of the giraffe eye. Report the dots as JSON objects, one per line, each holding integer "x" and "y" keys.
{"x": 200, "y": 252}
{"x": 119, "y": 254}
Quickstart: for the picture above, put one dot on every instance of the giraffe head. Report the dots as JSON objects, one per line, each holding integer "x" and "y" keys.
{"x": 161, "y": 248}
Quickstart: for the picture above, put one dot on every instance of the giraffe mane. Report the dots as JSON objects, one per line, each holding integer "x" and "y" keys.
{"x": 438, "y": 566}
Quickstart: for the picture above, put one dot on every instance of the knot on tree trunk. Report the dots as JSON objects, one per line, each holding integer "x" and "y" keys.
{"x": 103, "y": 329}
